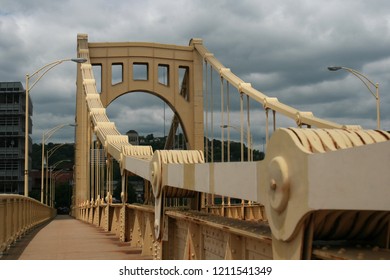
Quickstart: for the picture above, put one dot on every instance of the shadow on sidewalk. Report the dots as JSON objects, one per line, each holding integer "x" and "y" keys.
{"x": 16, "y": 249}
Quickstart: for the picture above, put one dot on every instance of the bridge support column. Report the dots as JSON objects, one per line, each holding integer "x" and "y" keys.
{"x": 123, "y": 218}
{"x": 198, "y": 99}
{"x": 107, "y": 214}
{"x": 193, "y": 244}
{"x": 82, "y": 154}
{"x": 148, "y": 238}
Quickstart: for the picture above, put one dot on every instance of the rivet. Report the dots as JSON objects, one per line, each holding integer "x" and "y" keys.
{"x": 273, "y": 184}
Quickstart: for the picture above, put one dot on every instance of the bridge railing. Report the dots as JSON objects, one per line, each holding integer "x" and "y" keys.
{"x": 18, "y": 214}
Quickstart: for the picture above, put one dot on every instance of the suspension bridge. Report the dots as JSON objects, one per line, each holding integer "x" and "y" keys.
{"x": 321, "y": 192}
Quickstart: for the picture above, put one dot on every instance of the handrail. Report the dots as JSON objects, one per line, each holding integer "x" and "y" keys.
{"x": 18, "y": 214}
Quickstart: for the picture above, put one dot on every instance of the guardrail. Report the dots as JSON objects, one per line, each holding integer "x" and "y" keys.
{"x": 214, "y": 230}
{"x": 18, "y": 214}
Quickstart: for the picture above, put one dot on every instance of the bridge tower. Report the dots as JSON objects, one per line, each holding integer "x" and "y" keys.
{"x": 170, "y": 72}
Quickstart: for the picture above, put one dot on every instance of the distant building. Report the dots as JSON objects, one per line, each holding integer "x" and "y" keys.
{"x": 133, "y": 137}
{"x": 12, "y": 135}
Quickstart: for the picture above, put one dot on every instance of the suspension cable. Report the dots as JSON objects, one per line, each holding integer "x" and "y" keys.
{"x": 248, "y": 128}
{"x": 207, "y": 113}
{"x": 228, "y": 119}
{"x": 212, "y": 114}
{"x": 222, "y": 130}
{"x": 242, "y": 125}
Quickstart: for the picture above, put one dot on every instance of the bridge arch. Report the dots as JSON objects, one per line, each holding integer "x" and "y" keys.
{"x": 173, "y": 115}
{"x": 172, "y": 73}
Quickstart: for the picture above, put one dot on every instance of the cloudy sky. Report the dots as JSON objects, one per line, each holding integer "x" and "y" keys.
{"x": 281, "y": 47}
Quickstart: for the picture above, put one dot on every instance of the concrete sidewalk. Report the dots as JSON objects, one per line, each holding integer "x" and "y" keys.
{"x": 66, "y": 238}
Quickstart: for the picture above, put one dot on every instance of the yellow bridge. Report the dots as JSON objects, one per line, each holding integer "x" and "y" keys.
{"x": 321, "y": 192}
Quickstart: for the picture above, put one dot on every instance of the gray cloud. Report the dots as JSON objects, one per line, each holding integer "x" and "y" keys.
{"x": 281, "y": 47}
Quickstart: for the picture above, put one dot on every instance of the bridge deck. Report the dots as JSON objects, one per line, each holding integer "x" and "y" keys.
{"x": 65, "y": 238}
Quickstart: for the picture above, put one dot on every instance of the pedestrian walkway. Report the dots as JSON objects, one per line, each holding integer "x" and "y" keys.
{"x": 66, "y": 238}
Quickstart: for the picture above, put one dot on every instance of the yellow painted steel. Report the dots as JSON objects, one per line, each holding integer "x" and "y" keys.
{"x": 301, "y": 204}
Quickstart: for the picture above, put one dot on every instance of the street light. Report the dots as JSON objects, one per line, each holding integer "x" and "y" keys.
{"x": 45, "y": 136}
{"x": 48, "y": 187}
{"x": 368, "y": 83}
{"x": 40, "y": 72}
{"x": 48, "y": 154}
{"x": 53, "y": 178}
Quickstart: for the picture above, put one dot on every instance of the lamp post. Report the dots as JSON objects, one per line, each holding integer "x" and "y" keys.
{"x": 40, "y": 72}
{"x": 51, "y": 169}
{"x": 53, "y": 178}
{"x": 48, "y": 154}
{"x": 45, "y": 136}
{"x": 368, "y": 83}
